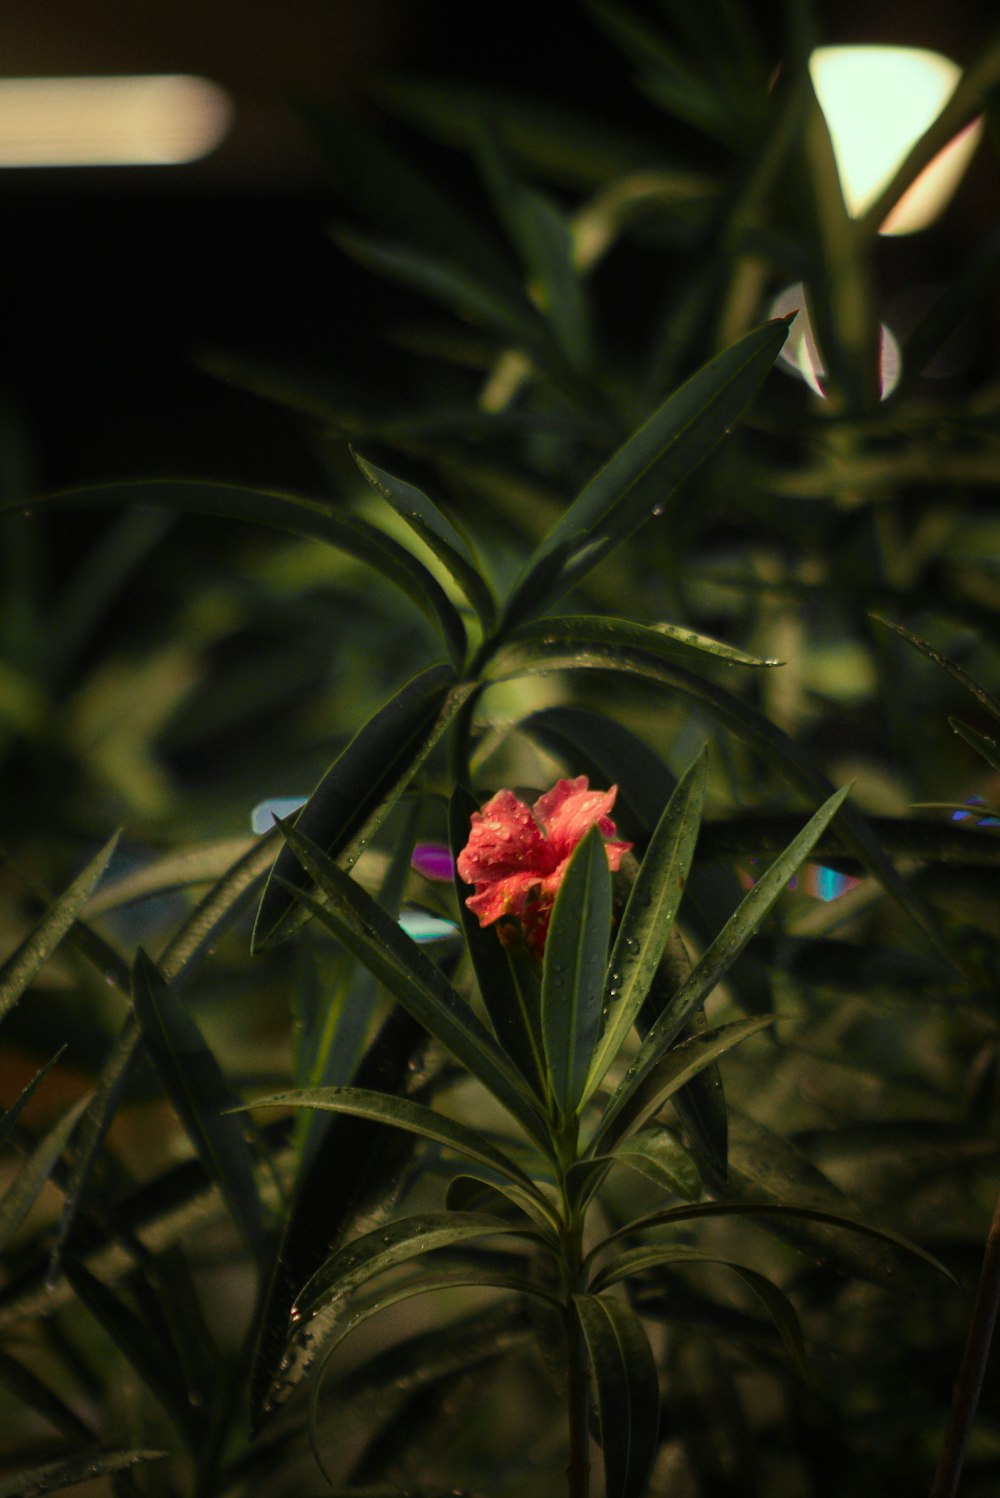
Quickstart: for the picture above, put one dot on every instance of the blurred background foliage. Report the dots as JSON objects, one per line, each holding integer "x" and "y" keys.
{"x": 526, "y": 254}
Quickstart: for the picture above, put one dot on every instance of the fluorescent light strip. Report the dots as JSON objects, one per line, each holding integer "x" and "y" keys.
{"x": 156, "y": 120}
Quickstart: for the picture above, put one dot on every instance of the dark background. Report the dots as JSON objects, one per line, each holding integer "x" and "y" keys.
{"x": 119, "y": 282}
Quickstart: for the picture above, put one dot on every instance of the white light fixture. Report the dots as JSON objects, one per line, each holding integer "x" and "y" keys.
{"x": 877, "y": 102}
{"x": 158, "y": 120}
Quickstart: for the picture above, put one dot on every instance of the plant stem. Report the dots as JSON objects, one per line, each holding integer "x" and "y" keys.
{"x": 970, "y": 1375}
{"x": 574, "y": 1282}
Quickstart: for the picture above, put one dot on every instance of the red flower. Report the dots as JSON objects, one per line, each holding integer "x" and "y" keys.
{"x": 516, "y": 856}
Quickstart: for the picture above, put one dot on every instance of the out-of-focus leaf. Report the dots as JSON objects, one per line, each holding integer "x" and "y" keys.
{"x": 360, "y": 788}
{"x": 986, "y": 701}
{"x": 627, "y": 1391}
{"x": 24, "y": 1189}
{"x": 195, "y": 1085}
{"x": 10, "y": 1116}
{"x": 576, "y": 954}
{"x": 436, "y": 531}
{"x": 661, "y": 1158}
{"x": 541, "y": 234}
{"x": 642, "y": 1092}
{"x": 30, "y": 1390}
{"x": 633, "y": 1261}
{"x": 402, "y": 1113}
{"x": 465, "y": 291}
{"x": 509, "y": 989}
{"x": 410, "y": 976}
{"x": 642, "y": 474}
{"x": 24, "y": 962}
{"x": 140, "y": 1345}
{"x": 177, "y": 870}
{"x": 649, "y": 915}
{"x": 294, "y": 514}
{"x": 398, "y": 1242}
{"x": 71, "y": 1471}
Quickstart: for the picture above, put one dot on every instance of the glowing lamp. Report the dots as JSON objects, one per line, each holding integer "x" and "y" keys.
{"x": 877, "y": 102}
{"x": 125, "y": 121}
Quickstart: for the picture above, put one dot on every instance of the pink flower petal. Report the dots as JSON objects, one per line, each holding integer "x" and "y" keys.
{"x": 433, "y": 860}
{"x": 570, "y": 809}
{"x": 504, "y": 840}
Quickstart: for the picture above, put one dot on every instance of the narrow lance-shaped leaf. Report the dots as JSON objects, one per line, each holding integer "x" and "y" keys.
{"x": 436, "y": 531}
{"x": 649, "y": 915}
{"x": 641, "y": 1095}
{"x": 627, "y": 1390}
{"x": 195, "y": 1085}
{"x": 720, "y": 956}
{"x": 741, "y": 718}
{"x": 414, "y": 980}
{"x": 9, "y": 1118}
{"x": 25, "y": 961}
{"x": 984, "y": 745}
{"x": 576, "y": 953}
{"x": 26, "y": 1186}
{"x": 645, "y": 470}
{"x": 71, "y": 1471}
{"x": 139, "y": 1343}
{"x": 667, "y": 642}
{"x": 635, "y": 1261}
{"x": 986, "y": 701}
{"x": 401, "y": 1113}
{"x": 399, "y": 1242}
{"x": 292, "y": 513}
{"x": 361, "y": 786}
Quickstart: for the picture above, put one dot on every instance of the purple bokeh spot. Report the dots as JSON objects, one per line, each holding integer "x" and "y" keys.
{"x": 434, "y": 861}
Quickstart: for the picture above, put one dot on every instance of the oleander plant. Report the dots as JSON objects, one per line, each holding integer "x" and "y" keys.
{"x": 590, "y": 1086}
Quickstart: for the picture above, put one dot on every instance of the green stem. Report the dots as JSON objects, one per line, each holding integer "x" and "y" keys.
{"x": 970, "y": 1376}
{"x": 578, "y": 1394}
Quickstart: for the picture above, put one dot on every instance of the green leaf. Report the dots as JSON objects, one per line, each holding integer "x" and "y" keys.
{"x": 986, "y": 701}
{"x": 352, "y": 1177}
{"x": 10, "y": 1116}
{"x": 627, "y": 1391}
{"x": 717, "y": 960}
{"x": 633, "y": 1261}
{"x": 984, "y": 745}
{"x": 24, "y": 962}
{"x": 641, "y": 475}
{"x": 414, "y": 980}
{"x": 465, "y": 291}
{"x": 142, "y": 1347}
{"x": 294, "y": 514}
{"x": 582, "y": 633}
{"x": 398, "y": 1242}
{"x": 670, "y": 1216}
{"x": 402, "y": 1113}
{"x": 542, "y": 236}
{"x": 195, "y": 1085}
{"x": 425, "y": 1285}
{"x": 24, "y": 1189}
{"x": 508, "y": 985}
{"x": 646, "y": 1086}
{"x": 360, "y": 788}
{"x": 662, "y": 1159}
{"x": 436, "y": 531}
{"x": 203, "y": 864}
{"x": 70, "y": 1472}
{"x": 474, "y": 1190}
{"x": 576, "y": 954}
{"x": 649, "y": 915}
{"x": 29, "y": 1389}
